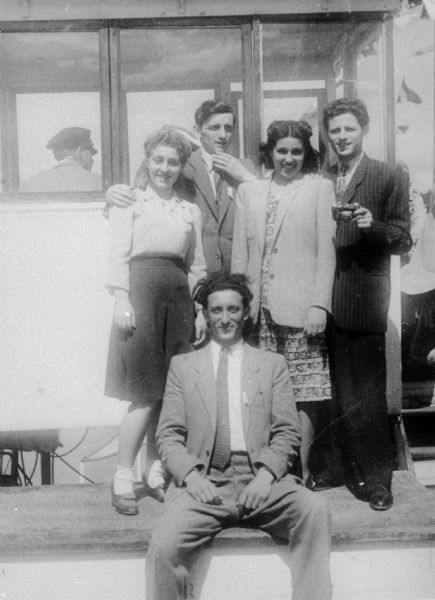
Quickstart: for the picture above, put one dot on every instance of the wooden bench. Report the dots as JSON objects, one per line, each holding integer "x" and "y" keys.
{"x": 67, "y": 543}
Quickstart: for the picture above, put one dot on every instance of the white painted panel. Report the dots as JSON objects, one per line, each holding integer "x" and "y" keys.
{"x": 395, "y": 573}
{"x": 56, "y": 317}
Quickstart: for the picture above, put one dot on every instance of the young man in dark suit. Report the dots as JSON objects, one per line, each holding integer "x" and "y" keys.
{"x": 228, "y": 434}
{"x": 209, "y": 179}
{"x": 375, "y": 225}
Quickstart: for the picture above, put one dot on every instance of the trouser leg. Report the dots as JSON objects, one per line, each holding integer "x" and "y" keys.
{"x": 360, "y": 404}
{"x": 294, "y": 513}
{"x": 185, "y": 526}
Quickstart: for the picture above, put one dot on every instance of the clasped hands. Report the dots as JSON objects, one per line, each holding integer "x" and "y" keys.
{"x": 251, "y": 498}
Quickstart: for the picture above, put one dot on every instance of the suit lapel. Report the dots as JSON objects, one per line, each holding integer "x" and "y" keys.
{"x": 357, "y": 178}
{"x": 251, "y": 372}
{"x": 205, "y": 382}
{"x": 263, "y": 196}
{"x": 201, "y": 179}
{"x": 225, "y": 201}
{"x": 283, "y": 208}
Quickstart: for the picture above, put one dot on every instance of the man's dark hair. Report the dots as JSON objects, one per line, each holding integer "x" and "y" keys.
{"x": 210, "y": 108}
{"x": 354, "y": 106}
{"x": 219, "y": 282}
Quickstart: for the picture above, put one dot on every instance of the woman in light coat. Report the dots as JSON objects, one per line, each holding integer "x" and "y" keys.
{"x": 284, "y": 243}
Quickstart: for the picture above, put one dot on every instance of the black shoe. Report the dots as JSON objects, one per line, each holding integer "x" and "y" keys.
{"x": 158, "y": 492}
{"x": 380, "y": 498}
{"x": 125, "y": 504}
{"x": 318, "y": 484}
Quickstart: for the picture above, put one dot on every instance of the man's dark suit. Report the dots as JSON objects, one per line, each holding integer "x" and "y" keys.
{"x": 186, "y": 436}
{"x": 217, "y": 223}
{"x": 360, "y": 303}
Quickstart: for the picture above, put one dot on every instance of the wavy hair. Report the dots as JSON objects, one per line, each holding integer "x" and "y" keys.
{"x": 301, "y": 130}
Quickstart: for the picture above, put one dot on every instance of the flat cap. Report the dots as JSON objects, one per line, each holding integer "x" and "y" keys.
{"x": 72, "y": 137}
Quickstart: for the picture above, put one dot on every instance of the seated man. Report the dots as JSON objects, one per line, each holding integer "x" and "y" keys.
{"x": 228, "y": 434}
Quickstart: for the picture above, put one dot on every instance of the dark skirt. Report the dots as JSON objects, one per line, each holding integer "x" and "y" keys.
{"x": 138, "y": 363}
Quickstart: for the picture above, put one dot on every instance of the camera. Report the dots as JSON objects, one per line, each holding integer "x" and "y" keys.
{"x": 344, "y": 214}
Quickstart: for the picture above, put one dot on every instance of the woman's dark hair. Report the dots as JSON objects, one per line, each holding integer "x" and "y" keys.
{"x": 354, "y": 106}
{"x": 219, "y": 282}
{"x": 169, "y": 136}
{"x": 301, "y": 130}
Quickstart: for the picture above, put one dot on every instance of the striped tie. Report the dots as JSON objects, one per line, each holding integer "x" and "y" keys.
{"x": 222, "y": 447}
{"x": 217, "y": 186}
{"x": 341, "y": 183}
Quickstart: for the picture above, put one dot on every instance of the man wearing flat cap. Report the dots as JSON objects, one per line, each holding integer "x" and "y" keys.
{"x": 73, "y": 150}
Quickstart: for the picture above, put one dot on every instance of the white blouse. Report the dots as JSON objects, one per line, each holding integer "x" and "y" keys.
{"x": 154, "y": 226}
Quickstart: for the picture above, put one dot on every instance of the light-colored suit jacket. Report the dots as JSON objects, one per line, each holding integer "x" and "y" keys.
{"x": 302, "y": 262}
{"x": 187, "y": 425}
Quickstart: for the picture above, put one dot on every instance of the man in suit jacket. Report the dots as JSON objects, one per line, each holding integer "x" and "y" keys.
{"x": 377, "y": 227}
{"x": 209, "y": 179}
{"x": 228, "y": 434}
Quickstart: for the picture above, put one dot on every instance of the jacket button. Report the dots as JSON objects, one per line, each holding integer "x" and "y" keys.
{"x": 207, "y": 452}
{"x": 271, "y": 276}
{"x": 217, "y": 257}
{"x": 275, "y": 251}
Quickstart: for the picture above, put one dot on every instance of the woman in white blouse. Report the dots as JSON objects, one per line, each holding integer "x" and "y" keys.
{"x": 155, "y": 260}
{"x": 283, "y": 241}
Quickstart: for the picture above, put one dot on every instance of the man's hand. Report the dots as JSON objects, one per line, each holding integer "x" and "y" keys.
{"x": 230, "y": 166}
{"x": 120, "y": 195}
{"x": 201, "y": 489}
{"x": 363, "y": 218}
{"x": 431, "y": 358}
{"x": 257, "y": 491}
{"x": 316, "y": 321}
{"x": 123, "y": 313}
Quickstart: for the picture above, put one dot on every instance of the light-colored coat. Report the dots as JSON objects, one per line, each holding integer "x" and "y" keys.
{"x": 302, "y": 262}
{"x": 187, "y": 426}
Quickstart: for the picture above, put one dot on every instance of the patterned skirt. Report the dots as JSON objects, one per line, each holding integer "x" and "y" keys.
{"x": 306, "y": 358}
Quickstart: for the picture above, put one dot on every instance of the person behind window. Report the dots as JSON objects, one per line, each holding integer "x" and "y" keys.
{"x": 73, "y": 150}
{"x": 155, "y": 260}
{"x": 283, "y": 242}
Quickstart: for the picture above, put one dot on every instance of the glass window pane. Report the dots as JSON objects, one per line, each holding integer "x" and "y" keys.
{"x": 414, "y": 55}
{"x": 306, "y": 65}
{"x": 50, "y": 97}
{"x": 369, "y": 86}
{"x": 167, "y": 73}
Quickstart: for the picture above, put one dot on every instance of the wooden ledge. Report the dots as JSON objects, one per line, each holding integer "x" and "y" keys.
{"x": 70, "y": 520}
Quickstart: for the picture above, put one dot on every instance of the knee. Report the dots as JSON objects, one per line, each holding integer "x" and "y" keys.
{"x": 163, "y": 547}
{"x": 315, "y": 509}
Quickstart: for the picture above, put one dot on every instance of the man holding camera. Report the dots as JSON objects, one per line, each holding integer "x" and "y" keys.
{"x": 372, "y": 224}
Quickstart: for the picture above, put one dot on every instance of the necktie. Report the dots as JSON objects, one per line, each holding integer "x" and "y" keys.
{"x": 217, "y": 186}
{"x": 222, "y": 445}
{"x": 341, "y": 182}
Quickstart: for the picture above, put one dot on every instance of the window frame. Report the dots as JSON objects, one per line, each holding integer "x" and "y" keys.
{"x": 114, "y": 163}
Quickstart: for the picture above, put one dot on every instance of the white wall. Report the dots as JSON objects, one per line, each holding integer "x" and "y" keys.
{"x": 56, "y": 317}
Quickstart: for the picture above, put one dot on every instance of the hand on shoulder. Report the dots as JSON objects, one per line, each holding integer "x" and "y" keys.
{"x": 120, "y": 195}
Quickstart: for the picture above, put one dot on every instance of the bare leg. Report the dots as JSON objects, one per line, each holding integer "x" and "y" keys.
{"x": 308, "y": 420}
{"x": 132, "y": 432}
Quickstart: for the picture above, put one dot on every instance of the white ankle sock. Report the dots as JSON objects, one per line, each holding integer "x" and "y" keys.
{"x": 123, "y": 481}
{"x": 156, "y": 474}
